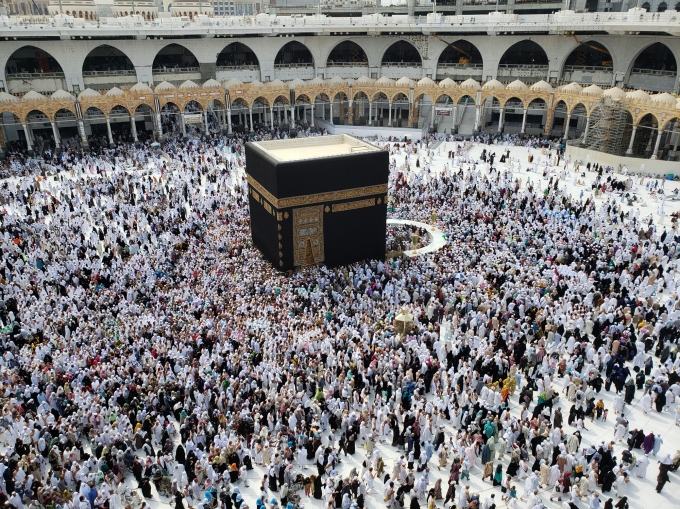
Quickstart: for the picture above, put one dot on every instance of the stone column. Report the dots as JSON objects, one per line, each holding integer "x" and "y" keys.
{"x": 133, "y": 127}
{"x": 323, "y": 110}
{"x": 159, "y": 125}
{"x": 271, "y": 116}
{"x": 629, "y": 151}
{"x": 311, "y": 111}
{"x": 57, "y": 138}
{"x": 205, "y": 121}
{"x": 524, "y": 121}
{"x": 501, "y": 120}
{"x": 566, "y": 127}
{"x": 454, "y": 126}
{"x": 29, "y": 143}
{"x": 389, "y": 107}
{"x": 585, "y": 133}
{"x": 370, "y": 113}
{"x": 292, "y": 117}
{"x": 108, "y": 131}
{"x": 229, "y": 130}
{"x": 550, "y": 116}
{"x": 183, "y": 124}
{"x": 478, "y": 113}
{"x": 251, "y": 119}
{"x": 83, "y": 136}
{"x": 3, "y": 139}
{"x": 659, "y": 132}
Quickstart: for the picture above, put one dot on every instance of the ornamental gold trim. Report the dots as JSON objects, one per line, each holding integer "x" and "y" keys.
{"x": 296, "y": 201}
{"x": 308, "y": 235}
{"x": 260, "y": 188}
{"x": 352, "y": 205}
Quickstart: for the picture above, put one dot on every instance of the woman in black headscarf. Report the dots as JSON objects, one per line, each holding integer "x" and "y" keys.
{"x": 607, "y": 481}
{"x": 180, "y": 455}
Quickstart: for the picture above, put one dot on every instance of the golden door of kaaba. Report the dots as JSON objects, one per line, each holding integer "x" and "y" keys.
{"x": 308, "y": 235}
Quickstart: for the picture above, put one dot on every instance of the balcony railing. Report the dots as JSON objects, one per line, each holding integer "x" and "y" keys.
{"x": 654, "y": 72}
{"x": 450, "y": 65}
{"x": 485, "y": 2}
{"x": 238, "y": 67}
{"x": 346, "y": 64}
{"x": 120, "y": 72}
{"x": 34, "y": 75}
{"x": 300, "y": 65}
{"x": 402, "y": 64}
{"x": 537, "y": 2}
{"x": 588, "y": 68}
{"x": 523, "y": 66}
{"x": 176, "y": 70}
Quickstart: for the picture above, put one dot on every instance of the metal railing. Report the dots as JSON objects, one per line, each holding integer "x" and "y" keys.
{"x": 346, "y": 64}
{"x": 238, "y": 67}
{"x": 449, "y": 65}
{"x": 120, "y": 72}
{"x": 654, "y": 72}
{"x": 294, "y": 66}
{"x": 485, "y": 2}
{"x": 402, "y": 64}
{"x": 34, "y": 75}
{"x": 176, "y": 70}
{"x": 588, "y": 68}
{"x": 523, "y": 66}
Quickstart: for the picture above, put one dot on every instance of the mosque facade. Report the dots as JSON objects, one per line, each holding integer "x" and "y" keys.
{"x": 533, "y": 73}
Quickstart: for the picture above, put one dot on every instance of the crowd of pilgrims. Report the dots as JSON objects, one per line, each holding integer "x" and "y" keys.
{"x": 150, "y": 353}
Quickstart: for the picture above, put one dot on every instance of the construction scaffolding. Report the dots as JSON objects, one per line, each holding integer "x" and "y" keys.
{"x": 607, "y": 130}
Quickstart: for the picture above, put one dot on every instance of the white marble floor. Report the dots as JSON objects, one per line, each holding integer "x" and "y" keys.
{"x": 641, "y": 492}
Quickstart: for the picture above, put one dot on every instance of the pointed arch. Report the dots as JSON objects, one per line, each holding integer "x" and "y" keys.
{"x": 106, "y": 59}
{"x": 237, "y": 55}
{"x": 35, "y": 116}
{"x": 119, "y": 110}
{"x": 31, "y": 59}
{"x": 347, "y": 53}
{"x": 174, "y": 56}
{"x": 654, "y": 57}
{"x": 526, "y": 52}
{"x": 193, "y": 107}
{"x": 402, "y": 52}
{"x": 510, "y": 102}
{"x": 294, "y": 53}
{"x": 460, "y": 52}
{"x": 590, "y": 53}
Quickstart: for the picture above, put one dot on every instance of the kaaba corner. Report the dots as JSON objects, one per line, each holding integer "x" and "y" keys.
{"x": 317, "y": 200}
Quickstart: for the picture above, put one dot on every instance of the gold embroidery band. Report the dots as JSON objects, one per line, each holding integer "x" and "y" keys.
{"x": 269, "y": 196}
{"x": 296, "y": 201}
{"x": 359, "y": 204}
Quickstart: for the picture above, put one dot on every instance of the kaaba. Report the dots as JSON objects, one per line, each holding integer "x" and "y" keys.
{"x": 317, "y": 200}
